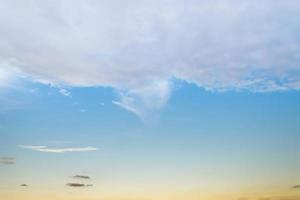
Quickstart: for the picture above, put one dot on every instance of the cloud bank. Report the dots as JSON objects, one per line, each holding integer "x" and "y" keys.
{"x": 139, "y": 47}
{"x": 57, "y": 150}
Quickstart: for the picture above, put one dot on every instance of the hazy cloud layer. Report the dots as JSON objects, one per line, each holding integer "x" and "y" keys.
{"x": 57, "y": 150}
{"x": 138, "y": 47}
{"x": 7, "y": 160}
{"x": 273, "y": 198}
{"x": 78, "y": 185}
{"x": 281, "y": 198}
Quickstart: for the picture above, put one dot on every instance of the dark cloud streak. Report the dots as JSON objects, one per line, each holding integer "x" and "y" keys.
{"x": 296, "y": 187}
{"x": 78, "y": 185}
{"x": 81, "y": 177}
{"x": 7, "y": 160}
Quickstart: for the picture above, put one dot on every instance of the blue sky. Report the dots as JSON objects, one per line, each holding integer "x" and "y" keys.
{"x": 196, "y": 132}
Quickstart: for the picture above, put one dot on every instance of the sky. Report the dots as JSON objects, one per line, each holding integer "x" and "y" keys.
{"x": 150, "y": 100}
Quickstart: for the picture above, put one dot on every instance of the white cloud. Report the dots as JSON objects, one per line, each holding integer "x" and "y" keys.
{"x": 33, "y": 147}
{"x": 4, "y": 77}
{"x": 143, "y": 100}
{"x": 65, "y": 92}
{"x": 8, "y": 75}
{"x": 128, "y": 104}
{"x": 57, "y": 150}
{"x": 135, "y": 46}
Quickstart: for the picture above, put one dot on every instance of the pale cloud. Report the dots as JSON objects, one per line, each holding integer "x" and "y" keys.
{"x": 139, "y": 47}
{"x": 128, "y": 104}
{"x": 57, "y": 150}
{"x": 33, "y": 147}
{"x": 143, "y": 100}
{"x": 65, "y": 92}
{"x": 8, "y": 75}
{"x": 4, "y": 77}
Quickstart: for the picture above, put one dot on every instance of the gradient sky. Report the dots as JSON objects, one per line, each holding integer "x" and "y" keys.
{"x": 150, "y": 100}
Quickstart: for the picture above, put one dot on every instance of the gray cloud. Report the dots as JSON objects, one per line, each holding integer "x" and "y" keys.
{"x": 296, "y": 187}
{"x": 7, "y": 160}
{"x": 78, "y": 185}
{"x": 139, "y": 47}
{"x": 81, "y": 177}
{"x": 24, "y": 185}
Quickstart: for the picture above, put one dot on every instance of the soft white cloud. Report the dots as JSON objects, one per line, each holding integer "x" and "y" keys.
{"x": 141, "y": 101}
{"x": 65, "y": 92}
{"x": 4, "y": 77}
{"x": 135, "y": 46}
{"x": 57, "y": 150}
{"x": 8, "y": 75}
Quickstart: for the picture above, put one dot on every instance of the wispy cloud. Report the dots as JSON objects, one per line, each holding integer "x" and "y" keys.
{"x": 81, "y": 177}
{"x": 7, "y": 160}
{"x": 142, "y": 101}
{"x": 127, "y": 104}
{"x": 65, "y": 92}
{"x": 78, "y": 185}
{"x": 57, "y": 150}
